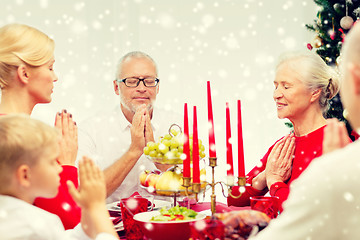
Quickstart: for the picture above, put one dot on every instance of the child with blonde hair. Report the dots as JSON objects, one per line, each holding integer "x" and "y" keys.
{"x": 29, "y": 169}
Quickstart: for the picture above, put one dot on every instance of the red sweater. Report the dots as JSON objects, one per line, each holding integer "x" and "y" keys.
{"x": 63, "y": 205}
{"x": 307, "y": 148}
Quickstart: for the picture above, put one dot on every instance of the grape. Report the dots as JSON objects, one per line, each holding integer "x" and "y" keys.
{"x": 166, "y": 142}
{"x": 174, "y": 132}
{"x": 181, "y": 148}
{"x": 153, "y": 153}
{"x": 151, "y": 145}
{"x": 174, "y": 143}
{"x": 146, "y": 150}
{"x": 167, "y": 137}
{"x": 170, "y": 147}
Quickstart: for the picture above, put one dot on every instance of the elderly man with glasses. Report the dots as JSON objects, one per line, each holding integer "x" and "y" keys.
{"x": 116, "y": 139}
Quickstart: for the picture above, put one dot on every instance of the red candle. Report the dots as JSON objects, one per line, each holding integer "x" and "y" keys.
{"x": 229, "y": 155}
{"x": 186, "y": 151}
{"x": 195, "y": 152}
{"x": 241, "y": 162}
{"x": 212, "y": 151}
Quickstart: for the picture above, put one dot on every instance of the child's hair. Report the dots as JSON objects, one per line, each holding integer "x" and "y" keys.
{"x": 22, "y": 141}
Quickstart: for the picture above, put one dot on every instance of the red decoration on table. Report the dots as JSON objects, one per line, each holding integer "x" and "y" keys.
{"x": 186, "y": 151}
{"x": 130, "y": 207}
{"x": 195, "y": 152}
{"x": 212, "y": 151}
{"x": 229, "y": 155}
{"x": 241, "y": 162}
{"x": 209, "y": 229}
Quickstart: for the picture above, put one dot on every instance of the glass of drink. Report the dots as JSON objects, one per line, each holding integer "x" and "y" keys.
{"x": 130, "y": 207}
{"x": 268, "y": 205}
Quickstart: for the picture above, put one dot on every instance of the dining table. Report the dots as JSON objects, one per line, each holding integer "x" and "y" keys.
{"x": 204, "y": 207}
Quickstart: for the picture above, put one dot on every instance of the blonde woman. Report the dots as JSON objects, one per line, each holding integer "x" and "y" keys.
{"x": 303, "y": 86}
{"x": 27, "y": 78}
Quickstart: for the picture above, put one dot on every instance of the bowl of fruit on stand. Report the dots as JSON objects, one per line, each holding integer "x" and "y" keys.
{"x": 168, "y": 150}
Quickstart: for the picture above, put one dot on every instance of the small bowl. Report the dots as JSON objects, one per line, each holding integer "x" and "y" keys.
{"x": 158, "y": 230}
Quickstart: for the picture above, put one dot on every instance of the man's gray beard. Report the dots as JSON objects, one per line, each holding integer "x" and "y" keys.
{"x": 132, "y": 108}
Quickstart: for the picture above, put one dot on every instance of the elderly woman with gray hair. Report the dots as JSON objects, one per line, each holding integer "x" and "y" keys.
{"x": 303, "y": 86}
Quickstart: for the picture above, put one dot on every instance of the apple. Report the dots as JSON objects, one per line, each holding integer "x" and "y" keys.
{"x": 151, "y": 180}
{"x": 143, "y": 175}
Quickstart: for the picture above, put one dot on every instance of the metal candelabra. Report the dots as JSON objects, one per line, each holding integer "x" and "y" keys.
{"x": 196, "y": 187}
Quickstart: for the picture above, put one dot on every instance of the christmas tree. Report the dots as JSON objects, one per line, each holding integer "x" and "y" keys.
{"x": 334, "y": 20}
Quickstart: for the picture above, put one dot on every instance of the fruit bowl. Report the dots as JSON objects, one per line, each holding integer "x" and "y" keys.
{"x": 163, "y": 160}
{"x": 168, "y": 183}
{"x": 169, "y": 149}
{"x": 158, "y": 230}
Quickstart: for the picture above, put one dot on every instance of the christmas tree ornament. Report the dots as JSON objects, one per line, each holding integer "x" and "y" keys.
{"x": 332, "y": 34}
{"x": 317, "y": 42}
{"x": 309, "y": 46}
{"x": 338, "y": 60}
{"x": 318, "y": 22}
{"x": 345, "y": 114}
{"x": 338, "y": 7}
{"x": 347, "y": 21}
{"x": 356, "y": 12}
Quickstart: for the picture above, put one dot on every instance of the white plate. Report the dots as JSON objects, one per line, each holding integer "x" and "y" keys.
{"x": 161, "y": 203}
{"x": 113, "y": 207}
{"x": 158, "y": 205}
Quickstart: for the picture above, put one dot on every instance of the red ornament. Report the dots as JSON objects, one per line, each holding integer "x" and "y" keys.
{"x": 332, "y": 34}
{"x": 309, "y": 46}
{"x": 342, "y": 34}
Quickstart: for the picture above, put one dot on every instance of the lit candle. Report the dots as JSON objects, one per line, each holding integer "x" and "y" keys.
{"x": 229, "y": 156}
{"x": 241, "y": 162}
{"x": 212, "y": 151}
{"x": 195, "y": 152}
{"x": 186, "y": 151}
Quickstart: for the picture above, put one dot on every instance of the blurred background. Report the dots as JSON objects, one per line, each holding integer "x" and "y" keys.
{"x": 232, "y": 44}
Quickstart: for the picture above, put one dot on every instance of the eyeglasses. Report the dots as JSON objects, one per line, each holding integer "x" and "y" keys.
{"x": 134, "y": 81}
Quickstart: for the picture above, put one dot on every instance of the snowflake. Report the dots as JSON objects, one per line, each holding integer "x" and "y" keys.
{"x": 348, "y": 197}
{"x": 79, "y": 6}
{"x": 208, "y": 20}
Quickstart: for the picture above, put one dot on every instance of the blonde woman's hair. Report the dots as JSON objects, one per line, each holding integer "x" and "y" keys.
{"x": 314, "y": 72}
{"x": 23, "y": 141}
{"x": 22, "y": 44}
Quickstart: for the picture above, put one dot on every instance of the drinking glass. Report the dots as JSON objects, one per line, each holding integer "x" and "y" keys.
{"x": 130, "y": 207}
{"x": 266, "y": 204}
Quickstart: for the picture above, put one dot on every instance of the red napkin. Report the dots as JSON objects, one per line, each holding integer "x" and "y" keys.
{"x": 137, "y": 194}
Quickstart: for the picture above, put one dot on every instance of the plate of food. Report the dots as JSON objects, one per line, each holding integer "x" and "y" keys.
{"x": 174, "y": 222}
{"x": 115, "y": 210}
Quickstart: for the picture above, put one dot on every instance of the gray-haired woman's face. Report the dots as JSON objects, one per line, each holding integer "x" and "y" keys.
{"x": 292, "y": 97}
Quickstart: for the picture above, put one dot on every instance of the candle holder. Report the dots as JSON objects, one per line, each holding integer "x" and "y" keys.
{"x": 241, "y": 182}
